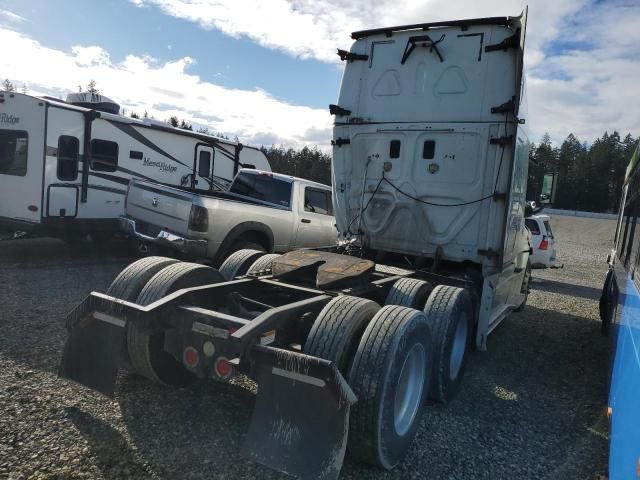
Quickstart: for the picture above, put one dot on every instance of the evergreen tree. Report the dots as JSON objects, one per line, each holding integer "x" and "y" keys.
{"x": 92, "y": 88}
{"x": 309, "y": 163}
{"x": 568, "y": 188}
{"x": 8, "y": 86}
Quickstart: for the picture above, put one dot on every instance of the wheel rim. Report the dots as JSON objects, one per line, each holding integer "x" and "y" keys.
{"x": 458, "y": 348}
{"x": 409, "y": 390}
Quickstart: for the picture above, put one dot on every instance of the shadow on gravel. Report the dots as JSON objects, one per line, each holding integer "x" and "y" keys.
{"x": 531, "y": 407}
{"x": 199, "y": 429}
{"x": 572, "y": 290}
{"x": 110, "y": 451}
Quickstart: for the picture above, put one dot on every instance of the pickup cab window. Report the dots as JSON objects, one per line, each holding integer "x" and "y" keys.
{"x": 317, "y": 201}
{"x": 263, "y": 187}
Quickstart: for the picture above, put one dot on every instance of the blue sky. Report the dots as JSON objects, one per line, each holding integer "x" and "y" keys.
{"x": 265, "y": 71}
{"x": 122, "y": 28}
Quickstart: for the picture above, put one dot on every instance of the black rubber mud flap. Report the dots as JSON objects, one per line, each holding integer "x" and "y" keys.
{"x": 301, "y": 420}
{"x": 94, "y": 349}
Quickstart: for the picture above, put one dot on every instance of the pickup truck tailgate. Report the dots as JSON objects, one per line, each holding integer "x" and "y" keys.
{"x": 167, "y": 208}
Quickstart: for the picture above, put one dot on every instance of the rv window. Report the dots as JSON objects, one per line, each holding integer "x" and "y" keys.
{"x": 68, "y": 150}
{"x": 104, "y": 155}
{"x": 428, "y": 149}
{"x": 13, "y": 152}
{"x": 204, "y": 164}
{"x": 135, "y": 155}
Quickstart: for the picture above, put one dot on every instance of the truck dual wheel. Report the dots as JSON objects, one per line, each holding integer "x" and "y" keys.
{"x": 336, "y": 332}
{"x": 146, "y": 348}
{"x": 263, "y": 264}
{"x": 239, "y": 262}
{"x": 390, "y": 376}
{"x": 409, "y": 292}
{"x": 130, "y": 281}
{"x": 450, "y": 314}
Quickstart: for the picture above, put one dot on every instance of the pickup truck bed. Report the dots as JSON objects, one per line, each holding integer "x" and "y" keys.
{"x": 261, "y": 210}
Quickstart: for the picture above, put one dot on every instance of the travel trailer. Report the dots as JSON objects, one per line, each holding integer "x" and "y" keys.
{"x": 65, "y": 166}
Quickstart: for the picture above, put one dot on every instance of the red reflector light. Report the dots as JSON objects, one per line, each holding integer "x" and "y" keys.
{"x": 32, "y": 208}
{"x": 190, "y": 357}
{"x": 223, "y": 367}
{"x": 543, "y": 244}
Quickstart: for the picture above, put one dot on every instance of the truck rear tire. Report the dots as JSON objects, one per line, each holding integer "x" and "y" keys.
{"x": 263, "y": 264}
{"x": 130, "y": 281}
{"x": 390, "y": 376}
{"x": 409, "y": 292}
{"x": 336, "y": 332}
{"x": 239, "y": 262}
{"x": 146, "y": 348}
{"x": 450, "y": 314}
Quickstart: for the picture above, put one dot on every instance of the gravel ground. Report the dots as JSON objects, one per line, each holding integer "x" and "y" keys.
{"x": 531, "y": 407}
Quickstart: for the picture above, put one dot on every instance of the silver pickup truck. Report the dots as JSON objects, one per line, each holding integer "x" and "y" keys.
{"x": 261, "y": 210}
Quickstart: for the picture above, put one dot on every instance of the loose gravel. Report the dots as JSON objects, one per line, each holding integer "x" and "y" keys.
{"x": 531, "y": 407}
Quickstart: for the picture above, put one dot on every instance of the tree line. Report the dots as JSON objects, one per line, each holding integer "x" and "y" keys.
{"x": 588, "y": 177}
{"x": 309, "y": 163}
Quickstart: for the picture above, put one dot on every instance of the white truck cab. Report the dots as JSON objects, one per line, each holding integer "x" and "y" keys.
{"x": 430, "y": 153}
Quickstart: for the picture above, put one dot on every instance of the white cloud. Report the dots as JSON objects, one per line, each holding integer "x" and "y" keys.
{"x": 586, "y": 91}
{"x": 163, "y": 89}
{"x": 586, "y": 80}
{"x": 315, "y": 28}
{"x": 90, "y": 56}
{"x": 11, "y": 17}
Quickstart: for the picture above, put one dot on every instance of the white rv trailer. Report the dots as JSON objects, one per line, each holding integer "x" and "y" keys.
{"x": 65, "y": 166}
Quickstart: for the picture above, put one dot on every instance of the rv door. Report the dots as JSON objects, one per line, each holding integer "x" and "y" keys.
{"x": 22, "y": 125}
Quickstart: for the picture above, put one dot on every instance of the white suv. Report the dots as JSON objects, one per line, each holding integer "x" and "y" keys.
{"x": 544, "y": 245}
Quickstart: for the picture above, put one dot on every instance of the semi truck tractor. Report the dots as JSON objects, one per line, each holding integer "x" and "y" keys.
{"x": 349, "y": 344}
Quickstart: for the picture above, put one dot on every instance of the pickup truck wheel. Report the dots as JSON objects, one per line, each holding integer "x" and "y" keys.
{"x": 409, "y": 292}
{"x": 239, "y": 262}
{"x": 263, "y": 264}
{"x": 336, "y": 332}
{"x": 390, "y": 376}
{"x": 146, "y": 348}
{"x": 450, "y": 313}
{"x": 130, "y": 281}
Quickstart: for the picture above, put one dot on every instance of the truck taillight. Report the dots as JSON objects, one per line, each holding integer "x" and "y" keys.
{"x": 198, "y": 219}
{"x": 544, "y": 244}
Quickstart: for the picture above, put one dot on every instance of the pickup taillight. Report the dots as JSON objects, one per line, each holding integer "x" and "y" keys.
{"x": 198, "y": 219}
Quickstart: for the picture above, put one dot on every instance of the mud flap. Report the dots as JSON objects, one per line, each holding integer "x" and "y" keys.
{"x": 301, "y": 419}
{"x": 94, "y": 349}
